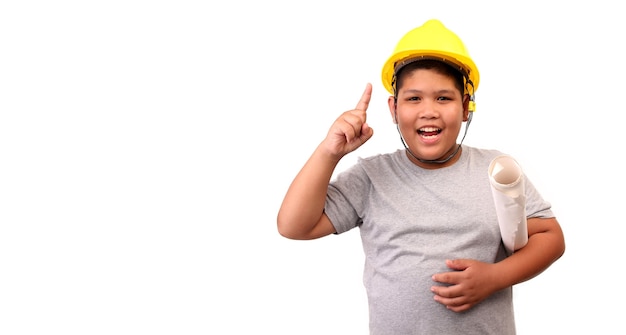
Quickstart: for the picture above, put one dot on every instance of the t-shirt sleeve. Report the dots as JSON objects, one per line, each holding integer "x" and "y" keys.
{"x": 536, "y": 205}
{"x": 346, "y": 199}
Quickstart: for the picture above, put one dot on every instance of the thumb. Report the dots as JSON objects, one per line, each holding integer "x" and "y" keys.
{"x": 366, "y": 132}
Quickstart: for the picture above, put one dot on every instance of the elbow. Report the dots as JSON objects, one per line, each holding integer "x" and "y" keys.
{"x": 290, "y": 234}
{"x": 285, "y": 229}
{"x": 295, "y": 229}
{"x": 560, "y": 242}
{"x": 557, "y": 246}
{"x": 562, "y": 247}
{"x": 282, "y": 231}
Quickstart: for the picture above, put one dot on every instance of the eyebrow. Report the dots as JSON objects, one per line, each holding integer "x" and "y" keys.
{"x": 410, "y": 91}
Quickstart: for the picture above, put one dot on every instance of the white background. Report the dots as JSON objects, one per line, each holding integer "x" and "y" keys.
{"x": 145, "y": 147}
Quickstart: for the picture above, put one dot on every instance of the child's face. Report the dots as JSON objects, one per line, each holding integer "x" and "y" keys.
{"x": 429, "y": 113}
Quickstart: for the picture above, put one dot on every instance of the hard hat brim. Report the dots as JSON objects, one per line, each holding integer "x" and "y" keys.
{"x": 460, "y": 61}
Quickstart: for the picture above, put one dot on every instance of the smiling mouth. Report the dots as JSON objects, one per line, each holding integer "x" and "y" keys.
{"x": 429, "y": 131}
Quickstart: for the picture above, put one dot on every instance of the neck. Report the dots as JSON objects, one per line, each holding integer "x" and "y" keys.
{"x": 450, "y": 159}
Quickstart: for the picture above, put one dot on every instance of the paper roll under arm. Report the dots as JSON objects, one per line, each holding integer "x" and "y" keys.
{"x": 506, "y": 178}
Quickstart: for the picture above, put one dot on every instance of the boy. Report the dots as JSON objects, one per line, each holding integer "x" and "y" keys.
{"x": 434, "y": 258}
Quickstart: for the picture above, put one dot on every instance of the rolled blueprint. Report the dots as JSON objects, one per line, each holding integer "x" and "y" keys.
{"x": 507, "y": 187}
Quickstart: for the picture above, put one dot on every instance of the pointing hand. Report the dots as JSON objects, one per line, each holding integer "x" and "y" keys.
{"x": 350, "y": 130}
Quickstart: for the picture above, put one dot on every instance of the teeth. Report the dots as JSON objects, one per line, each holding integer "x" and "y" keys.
{"x": 429, "y": 129}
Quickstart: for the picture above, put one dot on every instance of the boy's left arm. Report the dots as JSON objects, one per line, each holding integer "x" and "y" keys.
{"x": 473, "y": 281}
{"x": 546, "y": 244}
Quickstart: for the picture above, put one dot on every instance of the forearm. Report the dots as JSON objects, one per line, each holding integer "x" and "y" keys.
{"x": 303, "y": 205}
{"x": 545, "y": 245}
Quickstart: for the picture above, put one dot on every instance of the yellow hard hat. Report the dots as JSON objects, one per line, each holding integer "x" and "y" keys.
{"x": 434, "y": 41}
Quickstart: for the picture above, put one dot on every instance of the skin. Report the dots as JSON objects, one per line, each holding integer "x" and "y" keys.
{"x": 425, "y": 99}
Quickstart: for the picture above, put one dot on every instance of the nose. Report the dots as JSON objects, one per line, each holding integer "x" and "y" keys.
{"x": 429, "y": 110}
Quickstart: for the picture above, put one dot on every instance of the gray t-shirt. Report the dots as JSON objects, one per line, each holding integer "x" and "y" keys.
{"x": 411, "y": 220}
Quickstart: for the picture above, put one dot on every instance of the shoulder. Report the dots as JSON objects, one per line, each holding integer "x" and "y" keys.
{"x": 382, "y": 160}
{"x": 375, "y": 165}
{"x": 481, "y": 154}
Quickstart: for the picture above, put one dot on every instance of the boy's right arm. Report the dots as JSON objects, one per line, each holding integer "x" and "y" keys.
{"x": 301, "y": 215}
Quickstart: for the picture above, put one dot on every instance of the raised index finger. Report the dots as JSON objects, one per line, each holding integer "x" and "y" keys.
{"x": 365, "y": 98}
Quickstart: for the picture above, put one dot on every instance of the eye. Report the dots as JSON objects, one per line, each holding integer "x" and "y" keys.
{"x": 443, "y": 98}
{"x": 413, "y": 99}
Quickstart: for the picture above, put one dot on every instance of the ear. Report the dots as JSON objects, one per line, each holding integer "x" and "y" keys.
{"x": 391, "y": 101}
{"x": 466, "y": 100}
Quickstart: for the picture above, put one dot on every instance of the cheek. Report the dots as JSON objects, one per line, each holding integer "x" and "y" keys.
{"x": 454, "y": 116}
{"x": 407, "y": 122}
{"x": 405, "y": 115}
{"x": 403, "y": 121}
{"x": 455, "y": 123}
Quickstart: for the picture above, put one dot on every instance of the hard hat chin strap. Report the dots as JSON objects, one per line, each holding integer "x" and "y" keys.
{"x": 435, "y": 161}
